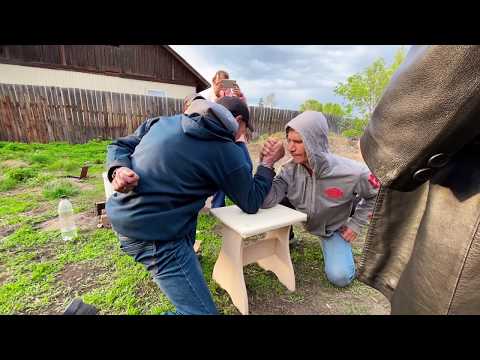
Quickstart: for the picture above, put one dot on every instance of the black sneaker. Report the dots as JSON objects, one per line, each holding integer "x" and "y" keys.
{"x": 78, "y": 307}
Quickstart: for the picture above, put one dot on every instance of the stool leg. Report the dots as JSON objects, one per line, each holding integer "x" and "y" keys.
{"x": 228, "y": 270}
{"x": 280, "y": 262}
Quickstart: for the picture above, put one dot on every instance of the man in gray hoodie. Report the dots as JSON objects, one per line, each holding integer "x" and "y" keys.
{"x": 323, "y": 186}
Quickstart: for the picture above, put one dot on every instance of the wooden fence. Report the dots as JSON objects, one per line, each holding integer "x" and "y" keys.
{"x": 44, "y": 114}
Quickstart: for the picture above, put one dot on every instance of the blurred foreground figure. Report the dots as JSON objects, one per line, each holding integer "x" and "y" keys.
{"x": 422, "y": 249}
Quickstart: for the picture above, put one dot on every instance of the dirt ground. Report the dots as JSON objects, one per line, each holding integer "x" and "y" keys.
{"x": 312, "y": 295}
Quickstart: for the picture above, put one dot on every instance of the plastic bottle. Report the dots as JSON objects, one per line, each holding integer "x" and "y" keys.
{"x": 68, "y": 228}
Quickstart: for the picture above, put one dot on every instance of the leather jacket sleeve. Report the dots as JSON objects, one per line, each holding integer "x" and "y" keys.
{"x": 428, "y": 112}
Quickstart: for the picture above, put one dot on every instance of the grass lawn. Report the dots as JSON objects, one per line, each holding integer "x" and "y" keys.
{"x": 41, "y": 274}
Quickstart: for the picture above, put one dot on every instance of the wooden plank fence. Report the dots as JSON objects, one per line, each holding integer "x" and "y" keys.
{"x": 45, "y": 114}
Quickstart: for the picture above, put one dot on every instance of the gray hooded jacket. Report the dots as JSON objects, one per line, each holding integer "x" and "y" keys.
{"x": 326, "y": 196}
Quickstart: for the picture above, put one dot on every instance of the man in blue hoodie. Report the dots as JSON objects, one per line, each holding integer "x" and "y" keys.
{"x": 163, "y": 173}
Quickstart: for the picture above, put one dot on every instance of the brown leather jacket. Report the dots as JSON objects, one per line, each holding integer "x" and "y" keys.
{"x": 422, "y": 249}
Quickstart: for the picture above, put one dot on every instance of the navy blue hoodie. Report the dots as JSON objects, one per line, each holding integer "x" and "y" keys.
{"x": 181, "y": 161}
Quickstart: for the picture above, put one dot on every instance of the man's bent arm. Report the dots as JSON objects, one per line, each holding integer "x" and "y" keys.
{"x": 121, "y": 149}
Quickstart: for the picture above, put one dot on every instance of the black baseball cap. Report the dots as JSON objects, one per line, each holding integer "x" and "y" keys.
{"x": 236, "y": 107}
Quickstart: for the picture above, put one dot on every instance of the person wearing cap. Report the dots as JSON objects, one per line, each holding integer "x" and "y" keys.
{"x": 162, "y": 175}
{"x": 323, "y": 185}
{"x": 187, "y": 101}
{"x": 242, "y": 115}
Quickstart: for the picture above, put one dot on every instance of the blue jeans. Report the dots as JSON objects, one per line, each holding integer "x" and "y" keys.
{"x": 219, "y": 197}
{"x": 176, "y": 270}
{"x": 338, "y": 258}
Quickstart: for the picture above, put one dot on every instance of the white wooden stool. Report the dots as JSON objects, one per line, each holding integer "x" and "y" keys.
{"x": 107, "y": 185}
{"x": 271, "y": 253}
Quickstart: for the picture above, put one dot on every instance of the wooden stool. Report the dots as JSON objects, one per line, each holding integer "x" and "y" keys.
{"x": 107, "y": 185}
{"x": 271, "y": 253}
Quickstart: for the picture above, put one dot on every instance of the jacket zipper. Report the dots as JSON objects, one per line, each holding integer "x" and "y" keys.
{"x": 370, "y": 231}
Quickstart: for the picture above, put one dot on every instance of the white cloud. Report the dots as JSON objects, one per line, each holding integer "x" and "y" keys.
{"x": 294, "y": 73}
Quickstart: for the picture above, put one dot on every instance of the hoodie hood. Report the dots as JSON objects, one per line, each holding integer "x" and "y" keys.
{"x": 209, "y": 121}
{"x": 313, "y": 128}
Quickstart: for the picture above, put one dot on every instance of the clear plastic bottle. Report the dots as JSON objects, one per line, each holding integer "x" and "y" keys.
{"x": 68, "y": 228}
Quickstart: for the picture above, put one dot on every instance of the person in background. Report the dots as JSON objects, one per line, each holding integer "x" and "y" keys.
{"x": 218, "y": 199}
{"x": 218, "y": 91}
{"x": 187, "y": 101}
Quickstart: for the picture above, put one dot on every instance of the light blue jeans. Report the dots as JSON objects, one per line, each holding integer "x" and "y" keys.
{"x": 338, "y": 258}
{"x": 175, "y": 268}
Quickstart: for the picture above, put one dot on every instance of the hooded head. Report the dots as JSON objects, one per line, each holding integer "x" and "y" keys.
{"x": 312, "y": 127}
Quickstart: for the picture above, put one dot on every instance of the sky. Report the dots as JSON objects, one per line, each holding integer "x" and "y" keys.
{"x": 294, "y": 73}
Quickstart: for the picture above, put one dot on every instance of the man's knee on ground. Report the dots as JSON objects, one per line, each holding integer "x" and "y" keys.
{"x": 339, "y": 277}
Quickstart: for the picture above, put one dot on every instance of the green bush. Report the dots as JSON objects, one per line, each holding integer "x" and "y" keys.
{"x": 40, "y": 158}
{"x": 20, "y": 174}
{"x": 7, "y": 184}
{"x": 14, "y": 146}
{"x": 66, "y": 165}
{"x": 58, "y": 188}
{"x": 352, "y": 133}
{"x": 355, "y": 128}
{"x": 40, "y": 179}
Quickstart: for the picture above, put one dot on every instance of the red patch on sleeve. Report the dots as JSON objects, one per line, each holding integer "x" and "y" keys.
{"x": 334, "y": 192}
{"x": 374, "y": 181}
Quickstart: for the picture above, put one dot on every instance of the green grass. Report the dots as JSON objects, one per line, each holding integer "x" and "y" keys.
{"x": 20, "y": 174}
{"x": 58, "y": 188}
{"x": 12, "y": 205}
{"x": 35, "y": 264}
{"x": 7, "y": 184}
{"x": 28, "y": 237}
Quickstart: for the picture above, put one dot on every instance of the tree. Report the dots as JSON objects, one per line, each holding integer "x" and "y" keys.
{"x": 311, "y": 104}
{"x": 333, "y": 109}
{"x": 333, "y": 112}
{"x": 363, "y": 90}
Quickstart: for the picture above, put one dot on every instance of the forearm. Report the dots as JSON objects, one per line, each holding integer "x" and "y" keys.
{"x": 118, "y": 155}
{"x": 119, "y": 152}
{"x": 276, "y": 194}
{"x": 247, "y": 193}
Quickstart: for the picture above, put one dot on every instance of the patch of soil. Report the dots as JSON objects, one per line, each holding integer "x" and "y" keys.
{"x": 84, "y": 221}
{"x": 3, "y": 275}
{"x": 342, "y": 146}
{"x": 81, "y": 184}
{"x": 14, "y": 163}
{"x": 44, "y": 253}
{"x": 312, "y": 298}
{"x": 7, "y": 230}
{"x": 76, "y": 279}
